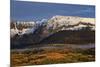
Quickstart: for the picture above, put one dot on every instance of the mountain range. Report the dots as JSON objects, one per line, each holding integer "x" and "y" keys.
{"x": 57, "y": 29}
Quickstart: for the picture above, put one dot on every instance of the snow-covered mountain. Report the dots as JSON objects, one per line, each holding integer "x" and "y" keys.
{"x": 58, "y": 29}
{"x": 26, "y": 27}
{"x": 21, "y": 28}
{"x": 69, "y": 23}
{"x": 56, "y": 23}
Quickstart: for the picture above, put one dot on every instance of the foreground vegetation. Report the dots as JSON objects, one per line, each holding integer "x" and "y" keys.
{"x": 51, "y": 56}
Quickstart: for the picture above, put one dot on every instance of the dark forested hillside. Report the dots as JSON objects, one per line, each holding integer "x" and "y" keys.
{"x": 70, "y": 37}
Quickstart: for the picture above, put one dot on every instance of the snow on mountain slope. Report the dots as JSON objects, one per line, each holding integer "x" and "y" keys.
{"x": 88, "y": 20}
{"x": 64, "y": 20}
{"x": 21, "y": 28}
{"x": 52, "y": 25}
{"x": 69, "y": 22}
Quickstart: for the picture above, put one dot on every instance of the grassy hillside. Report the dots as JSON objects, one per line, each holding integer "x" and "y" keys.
{"x": 52, "y": 56}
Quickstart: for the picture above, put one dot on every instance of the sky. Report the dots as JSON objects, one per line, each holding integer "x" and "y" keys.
{"x": 22, "y": 10}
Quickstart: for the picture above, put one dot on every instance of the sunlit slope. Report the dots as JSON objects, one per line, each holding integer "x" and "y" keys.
{"x": 88, "y": 20}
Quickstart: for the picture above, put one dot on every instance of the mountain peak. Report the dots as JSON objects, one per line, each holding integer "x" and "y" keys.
{"x": 65, "y": 20}
{"x": 69, "y": 22}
